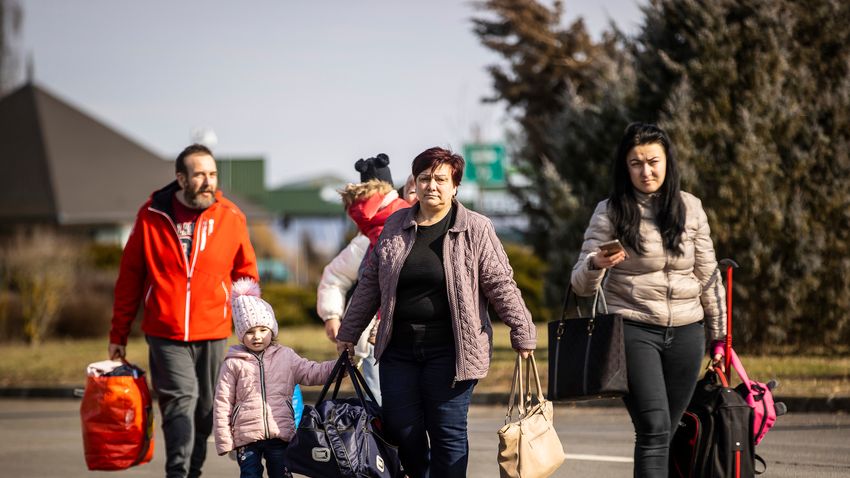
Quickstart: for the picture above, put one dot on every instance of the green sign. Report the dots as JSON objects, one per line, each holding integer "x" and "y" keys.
{"x": 485, "y": 163}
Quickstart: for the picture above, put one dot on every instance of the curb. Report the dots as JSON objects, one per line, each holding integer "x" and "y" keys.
{"x": 794, "y": 404}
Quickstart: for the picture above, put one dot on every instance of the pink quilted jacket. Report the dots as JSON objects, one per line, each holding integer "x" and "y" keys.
{"x": 253, "y": 398}
{"x": 477, "y": 272}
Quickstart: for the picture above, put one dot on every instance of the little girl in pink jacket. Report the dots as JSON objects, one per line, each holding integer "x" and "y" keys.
{"x": 253, "y": 411}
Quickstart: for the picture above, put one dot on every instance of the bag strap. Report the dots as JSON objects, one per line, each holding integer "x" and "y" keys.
{"x": 739, "y": 367}
{"x": 522, "y": 400}
{"x": 361, "y": 389}
{"x": 598, "y": 298}
{"x": 516, "y": 383}
{"x": 759, "y": 459}
{"x": 335, "y": 376}
{"x": 532, "y": 365}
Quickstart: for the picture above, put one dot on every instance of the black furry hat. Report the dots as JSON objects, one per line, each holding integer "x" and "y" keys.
{"x": 374, "y": 168}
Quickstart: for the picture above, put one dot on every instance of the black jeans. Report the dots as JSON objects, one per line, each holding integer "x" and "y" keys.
{"x": 663, "y": 365}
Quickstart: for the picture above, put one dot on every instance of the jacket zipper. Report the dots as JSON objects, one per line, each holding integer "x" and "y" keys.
{"x": 669, "y": 288}
{"x": 452, "y": 310}
{"x": 185, "y": 267}
{"x": 185, "y": 261}
{"x": 199, "y": 231}
{"x": 263, "y": 396}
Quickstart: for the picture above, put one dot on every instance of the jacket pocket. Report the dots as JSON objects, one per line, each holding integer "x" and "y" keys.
{"x": 148, "y": 293}
{"x": 233, "y": 414}
{"x": 226, "y": 299}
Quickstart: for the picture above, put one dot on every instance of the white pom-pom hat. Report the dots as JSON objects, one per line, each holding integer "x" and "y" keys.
{"x": 249, "y": 310}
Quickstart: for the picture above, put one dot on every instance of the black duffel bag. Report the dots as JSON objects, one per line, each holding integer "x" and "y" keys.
{"x": 342, "y": 437}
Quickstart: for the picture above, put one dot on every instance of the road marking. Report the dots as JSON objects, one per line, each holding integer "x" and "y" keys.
{"x": 608, "y": 458}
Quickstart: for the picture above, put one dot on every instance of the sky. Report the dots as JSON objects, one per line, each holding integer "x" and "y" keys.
{"x": 309, "y": 86}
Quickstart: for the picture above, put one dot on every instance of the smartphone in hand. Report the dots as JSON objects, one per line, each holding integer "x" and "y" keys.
{"x": 611, "y": 247}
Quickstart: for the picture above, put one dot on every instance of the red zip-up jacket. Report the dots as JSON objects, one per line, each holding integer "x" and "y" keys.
{"x": 185, "y": 300}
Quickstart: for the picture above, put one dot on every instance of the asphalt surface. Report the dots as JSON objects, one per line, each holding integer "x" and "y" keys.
{"x": 41, "y": 438}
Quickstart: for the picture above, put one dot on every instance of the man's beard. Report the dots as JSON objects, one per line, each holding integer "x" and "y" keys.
{"x": 197, "y": 201}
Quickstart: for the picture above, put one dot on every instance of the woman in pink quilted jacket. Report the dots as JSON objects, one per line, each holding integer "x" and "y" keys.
{"x": 253, "y": 411}
{"x": 432, "y": 273}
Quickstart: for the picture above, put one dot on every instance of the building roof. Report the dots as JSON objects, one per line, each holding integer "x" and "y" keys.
{"x": 313, "y": 197}
{"x": 63, "y": 166}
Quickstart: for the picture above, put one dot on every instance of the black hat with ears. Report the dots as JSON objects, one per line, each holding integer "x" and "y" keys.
{"x": 374, "y": 168}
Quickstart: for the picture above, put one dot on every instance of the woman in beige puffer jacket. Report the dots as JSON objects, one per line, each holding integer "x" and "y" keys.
{"x": 664, "y": 283}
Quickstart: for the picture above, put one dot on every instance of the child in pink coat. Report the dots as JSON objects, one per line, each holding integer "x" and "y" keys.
{"x": 253, "y": 412}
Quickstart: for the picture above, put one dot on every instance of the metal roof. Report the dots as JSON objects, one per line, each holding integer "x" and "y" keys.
{"x": 309, "y": 198}
{"x": 63, "y": 166}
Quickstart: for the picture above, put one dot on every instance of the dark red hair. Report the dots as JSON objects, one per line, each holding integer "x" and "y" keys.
{"x": 432, "y": 158}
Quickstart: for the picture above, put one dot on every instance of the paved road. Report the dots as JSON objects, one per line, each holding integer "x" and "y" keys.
{"x": 41, "y": 438}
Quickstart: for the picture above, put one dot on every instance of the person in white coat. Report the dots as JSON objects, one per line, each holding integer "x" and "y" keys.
{"x": 341, "y": 273}
{"x": 338, "y": 277}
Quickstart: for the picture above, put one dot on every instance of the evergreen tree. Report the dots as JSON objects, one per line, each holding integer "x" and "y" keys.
{"x": 755, "y": 95}
{"x": 566, "y": 93}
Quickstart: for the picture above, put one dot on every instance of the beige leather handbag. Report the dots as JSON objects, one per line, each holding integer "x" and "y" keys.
{"x": 529, "y": 447}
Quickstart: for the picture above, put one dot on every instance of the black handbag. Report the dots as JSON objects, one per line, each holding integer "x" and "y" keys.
{"x": 587, "y": 355}
{"x": 342, "y": 437}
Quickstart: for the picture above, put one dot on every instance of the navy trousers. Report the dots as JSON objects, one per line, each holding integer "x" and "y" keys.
{"x": 422, "y": 406}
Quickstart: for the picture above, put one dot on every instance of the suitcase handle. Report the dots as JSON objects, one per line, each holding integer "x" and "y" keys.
{"x": 728, "y": 265}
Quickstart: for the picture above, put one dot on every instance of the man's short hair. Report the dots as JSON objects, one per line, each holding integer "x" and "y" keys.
{"x": 180, "y": 164}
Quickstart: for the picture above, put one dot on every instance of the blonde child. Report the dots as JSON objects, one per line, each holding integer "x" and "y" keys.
{"x": 253, "y": 411}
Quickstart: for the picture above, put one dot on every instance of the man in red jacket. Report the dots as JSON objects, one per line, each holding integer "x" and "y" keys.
{"x": 187, "y": 246}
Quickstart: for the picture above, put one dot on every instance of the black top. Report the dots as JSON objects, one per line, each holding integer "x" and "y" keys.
{"x": 422, "y": 313}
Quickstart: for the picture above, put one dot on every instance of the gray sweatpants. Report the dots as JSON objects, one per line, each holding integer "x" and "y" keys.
{"x": 184, "y": 376}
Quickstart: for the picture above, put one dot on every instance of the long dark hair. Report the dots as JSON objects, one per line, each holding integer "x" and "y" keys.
{"x": 622, "y": 203}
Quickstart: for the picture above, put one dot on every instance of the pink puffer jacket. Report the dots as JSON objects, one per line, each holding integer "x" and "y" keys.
{"x": 253, "y": 398}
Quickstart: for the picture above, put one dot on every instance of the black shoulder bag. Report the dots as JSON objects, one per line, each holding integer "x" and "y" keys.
{"x": 587, "y": 355}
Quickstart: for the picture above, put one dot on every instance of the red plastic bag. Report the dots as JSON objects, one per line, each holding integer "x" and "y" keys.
{"x": 117, "y": 417}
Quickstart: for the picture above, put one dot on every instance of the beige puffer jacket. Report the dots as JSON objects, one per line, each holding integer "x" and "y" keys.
{"x": 658, "y": 287}
{"x": 253, "y": 398}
